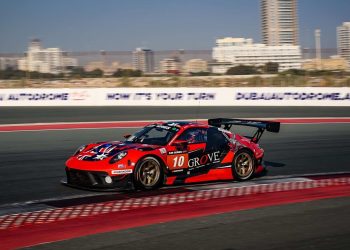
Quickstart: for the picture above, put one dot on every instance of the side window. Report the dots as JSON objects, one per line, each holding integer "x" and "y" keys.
{"x": 194, "y": 135}
{"x": 216, "y": 140}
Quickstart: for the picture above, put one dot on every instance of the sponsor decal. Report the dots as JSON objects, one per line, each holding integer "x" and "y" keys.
{"x": 163, "y": 127}
{"x": 122, "y": 171}
{"x": 204, "y": 159}
{"x": 166, "y": 127}
{"x": 176, "y": 152}
{"x": 79, "y": 95}
{"x": 182, "y": 160}
{"x": 298, "y": 96}
{"x": 177, "y": 161}
{"x": 162, "y": 151}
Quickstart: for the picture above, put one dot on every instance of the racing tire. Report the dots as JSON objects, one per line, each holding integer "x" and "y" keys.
{"x": 244, "y": 165}
{"x": 149, "y": 174}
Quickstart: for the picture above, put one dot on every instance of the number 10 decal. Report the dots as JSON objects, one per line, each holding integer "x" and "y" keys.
{"x": 177, "y": 161}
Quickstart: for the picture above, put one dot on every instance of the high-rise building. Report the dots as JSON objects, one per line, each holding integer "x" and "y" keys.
{"x": 279, "y": 22}
{"x": 143, "y": 59}
{"x": 343, "y": 41}
{"x": 50, "y": 60}
{"x": 8, "y": 62}
{"x": 230, "y": 52}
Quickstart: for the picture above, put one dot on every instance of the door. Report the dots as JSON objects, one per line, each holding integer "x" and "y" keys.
{"x": 185, "y": 158}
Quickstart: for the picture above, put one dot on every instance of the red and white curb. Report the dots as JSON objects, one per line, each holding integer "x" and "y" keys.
{"x": 90, "y": 210}
{"x": 136, "y": 124}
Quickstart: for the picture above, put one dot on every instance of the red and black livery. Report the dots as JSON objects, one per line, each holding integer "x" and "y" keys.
{"x": 169, "y": 153}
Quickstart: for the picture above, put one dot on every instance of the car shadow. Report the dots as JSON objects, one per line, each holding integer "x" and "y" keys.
{"x": 273, "y": 164}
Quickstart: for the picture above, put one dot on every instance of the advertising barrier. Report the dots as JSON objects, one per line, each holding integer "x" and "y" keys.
{"x": 267, "y": 96}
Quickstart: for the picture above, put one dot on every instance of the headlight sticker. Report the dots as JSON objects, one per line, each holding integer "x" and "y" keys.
{"x": 118, "y": 157}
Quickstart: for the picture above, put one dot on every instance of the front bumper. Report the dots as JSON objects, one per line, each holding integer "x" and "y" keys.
{"x": 95, "y": 180}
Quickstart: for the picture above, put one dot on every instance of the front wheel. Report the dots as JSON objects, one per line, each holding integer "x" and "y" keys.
{"x": 243, "y": 165}
{"x": 149, "y": 174}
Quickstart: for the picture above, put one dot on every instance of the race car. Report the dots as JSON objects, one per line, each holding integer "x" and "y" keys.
{"x": 170, "y": 153}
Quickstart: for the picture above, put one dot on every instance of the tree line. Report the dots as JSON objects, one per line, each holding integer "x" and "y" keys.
{"x": 71, "y": 72}
{"x": 80, "y": 72}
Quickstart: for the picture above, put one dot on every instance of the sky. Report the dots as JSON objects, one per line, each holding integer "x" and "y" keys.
{"x": 119, "y": 25}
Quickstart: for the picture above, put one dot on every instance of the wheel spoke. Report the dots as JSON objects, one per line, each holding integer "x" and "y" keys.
{"x": 149, "y": 173}
{"x": 244, "y": 165}
{"x": 149, "y": 180}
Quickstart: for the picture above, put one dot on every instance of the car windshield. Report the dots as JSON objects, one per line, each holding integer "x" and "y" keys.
{"x": 154, "y": 135}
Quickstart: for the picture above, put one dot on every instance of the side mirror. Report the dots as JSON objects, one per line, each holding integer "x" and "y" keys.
{"x": 127, "y": 136}
{"x": 180, "y": 144}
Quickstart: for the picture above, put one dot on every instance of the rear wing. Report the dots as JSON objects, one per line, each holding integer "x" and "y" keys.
{"x": 227, "y": 123}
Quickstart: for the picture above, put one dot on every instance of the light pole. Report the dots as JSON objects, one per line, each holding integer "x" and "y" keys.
{"x": 318, "y": 48}
{"x": 103, "y": 57}
{"x": 27, "y": 68}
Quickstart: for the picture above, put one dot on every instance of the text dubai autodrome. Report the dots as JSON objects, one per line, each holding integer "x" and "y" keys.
{"x": 292, "y": 96}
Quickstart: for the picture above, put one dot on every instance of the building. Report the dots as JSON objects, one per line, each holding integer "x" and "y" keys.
{"x": 343, "y": 41}
{"x": 143, "y": 59}
{"x": 279, "y": 22}
{"x": 196, "y": 66}
{"x": 230, "y": 52}
{"x": 49, "y": 60}
{"x": 108, "y": 69}
{"x": 8, "y": 63}
{"x": 96, "y": 65}
{"x": 170, "y": 65}
{"x": 333, "y": 63}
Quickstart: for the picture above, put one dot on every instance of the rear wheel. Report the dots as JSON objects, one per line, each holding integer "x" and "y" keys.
{"x": 149, "y": 174}
{"x": 243, "y": 165}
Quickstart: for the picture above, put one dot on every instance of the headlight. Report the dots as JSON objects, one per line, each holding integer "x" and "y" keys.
{"x": 118, "y": 157}
{"x": 79, "y": 150}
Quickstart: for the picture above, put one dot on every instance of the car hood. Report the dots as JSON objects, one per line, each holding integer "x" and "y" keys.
{"x": 104, "y": 150}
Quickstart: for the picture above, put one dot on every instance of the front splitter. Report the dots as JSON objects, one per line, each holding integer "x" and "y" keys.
{"x": 127, "y": 187}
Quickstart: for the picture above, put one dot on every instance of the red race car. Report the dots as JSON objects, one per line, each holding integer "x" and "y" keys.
{"x": 170, "y": 153}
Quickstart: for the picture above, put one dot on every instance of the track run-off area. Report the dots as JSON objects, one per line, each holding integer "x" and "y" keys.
{"x": 306, "y": 188}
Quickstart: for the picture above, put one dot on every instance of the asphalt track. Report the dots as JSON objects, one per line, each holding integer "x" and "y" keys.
{"x": 10, "y": 115}
{"x": 321, "y": 225}
{"x": 32, "y": 163}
